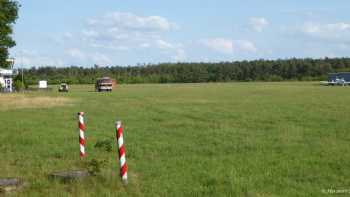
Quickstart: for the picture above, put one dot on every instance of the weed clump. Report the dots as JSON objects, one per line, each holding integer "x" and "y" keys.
{"x": 105, "y": 145}
{"x": 95, "y": 166}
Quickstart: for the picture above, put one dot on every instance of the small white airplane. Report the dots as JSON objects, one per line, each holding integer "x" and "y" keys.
{"x": 340, "y": 82}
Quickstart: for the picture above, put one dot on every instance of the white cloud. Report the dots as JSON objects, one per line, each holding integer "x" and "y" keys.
{"x": 121, "y": 32}
{"x": 145, "y": 45}
{"x": 38, "y": 61}
{"x": 90, "y": 33}
{"x": 110, "y": 46}
{"x": 310, "y": 28}
{"x": 316, "y": 39}
{"x": 68, "y": 35}
{"x": 101, "y": 59}
{"x": 258, "y": 23}
{"x": 334, "y": 37}
{"x": 76, "y": 53}
{"x": 29, "y": 58}
{"x": 180, "y": 55}
{"x": 126, "y": 31}
{"x": 244, "y": 46}
{"x": 61, "y": 38}
{"x": 221, "y": 45}
{"x": 164, "y": 45}
{"x": 177, "y": 50}
{"x": 129, "y": 21}
{"x": 72, "y": 56}
{"x": 331, "y": 30}
{"x": 227, "y": 46}
{"x": 339, "y": 26}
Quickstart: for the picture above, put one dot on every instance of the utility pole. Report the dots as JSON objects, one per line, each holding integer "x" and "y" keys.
{"x": 22, "y": 77}
{"x": 22, "y": 65}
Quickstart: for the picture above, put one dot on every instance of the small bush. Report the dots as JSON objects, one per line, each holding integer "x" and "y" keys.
{"x": 18, "y": 85}
{"x": 104, "y": 145}
{"x": 95, "y": 166}
{"x": 275, "y": 78}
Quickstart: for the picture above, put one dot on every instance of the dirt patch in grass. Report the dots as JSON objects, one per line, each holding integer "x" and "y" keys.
{"x": 135, "y": 182}
{"x": 18, "y": 101}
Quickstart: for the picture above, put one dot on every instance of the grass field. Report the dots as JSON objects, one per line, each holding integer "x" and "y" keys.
{"x": 233, "y": 139}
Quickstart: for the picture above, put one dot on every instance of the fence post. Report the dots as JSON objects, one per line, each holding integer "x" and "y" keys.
{"x": 81, "y": 126}
{"x": 121, "y": 151}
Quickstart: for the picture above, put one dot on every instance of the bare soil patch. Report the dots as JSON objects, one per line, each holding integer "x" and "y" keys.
{"x": 19, "y": 101}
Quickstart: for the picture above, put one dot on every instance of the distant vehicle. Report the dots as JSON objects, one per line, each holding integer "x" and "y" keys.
{"x": 341, "y": 79}
{"x": 63, "y": 87}
{"x": 104, "y": 84}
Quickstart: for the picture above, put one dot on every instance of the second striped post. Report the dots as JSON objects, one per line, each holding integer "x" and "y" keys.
{"x": 121, "y": 150}
{"x": 81, "y": 126}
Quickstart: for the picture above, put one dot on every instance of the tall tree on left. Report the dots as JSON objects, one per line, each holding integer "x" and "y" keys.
{"x": 8, "y": 16}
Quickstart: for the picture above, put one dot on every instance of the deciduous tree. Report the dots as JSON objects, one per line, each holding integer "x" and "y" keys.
{"x": 8, "y": 16}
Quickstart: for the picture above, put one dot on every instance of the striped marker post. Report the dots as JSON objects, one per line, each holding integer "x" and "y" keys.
{"x": 121, "y": 150}
{"x": 81, "y": 126}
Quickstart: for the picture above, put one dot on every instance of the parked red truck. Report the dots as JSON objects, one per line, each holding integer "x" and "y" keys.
{"x": 104, "y": 84}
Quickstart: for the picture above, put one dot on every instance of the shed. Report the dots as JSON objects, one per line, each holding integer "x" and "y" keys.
{"x": 42, "y": 84}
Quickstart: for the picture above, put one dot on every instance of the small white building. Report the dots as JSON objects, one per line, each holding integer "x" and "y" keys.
{"x": 42, "y": 84}
{"x": 6, "y": 79}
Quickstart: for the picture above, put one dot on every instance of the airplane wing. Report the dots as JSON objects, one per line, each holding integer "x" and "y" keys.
{"x": 325, "y": 83}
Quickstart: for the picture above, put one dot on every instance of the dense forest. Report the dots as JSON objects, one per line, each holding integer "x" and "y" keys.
{"x": 258, "y": 70}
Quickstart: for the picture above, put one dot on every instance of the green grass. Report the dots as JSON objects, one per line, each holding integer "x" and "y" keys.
{"x": 233, "y": 139}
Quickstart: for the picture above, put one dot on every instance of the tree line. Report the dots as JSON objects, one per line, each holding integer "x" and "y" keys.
{"x": 257, "y": 70}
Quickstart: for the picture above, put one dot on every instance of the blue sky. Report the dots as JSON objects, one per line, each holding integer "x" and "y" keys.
{"x": 114, "y": 32}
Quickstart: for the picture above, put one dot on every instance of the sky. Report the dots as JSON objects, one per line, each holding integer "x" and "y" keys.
{"x": 122, "y": 33}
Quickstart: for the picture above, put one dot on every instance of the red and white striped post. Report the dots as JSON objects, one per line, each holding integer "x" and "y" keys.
{"x": 81, "y": 126}
{"x": 121, "y": 150}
